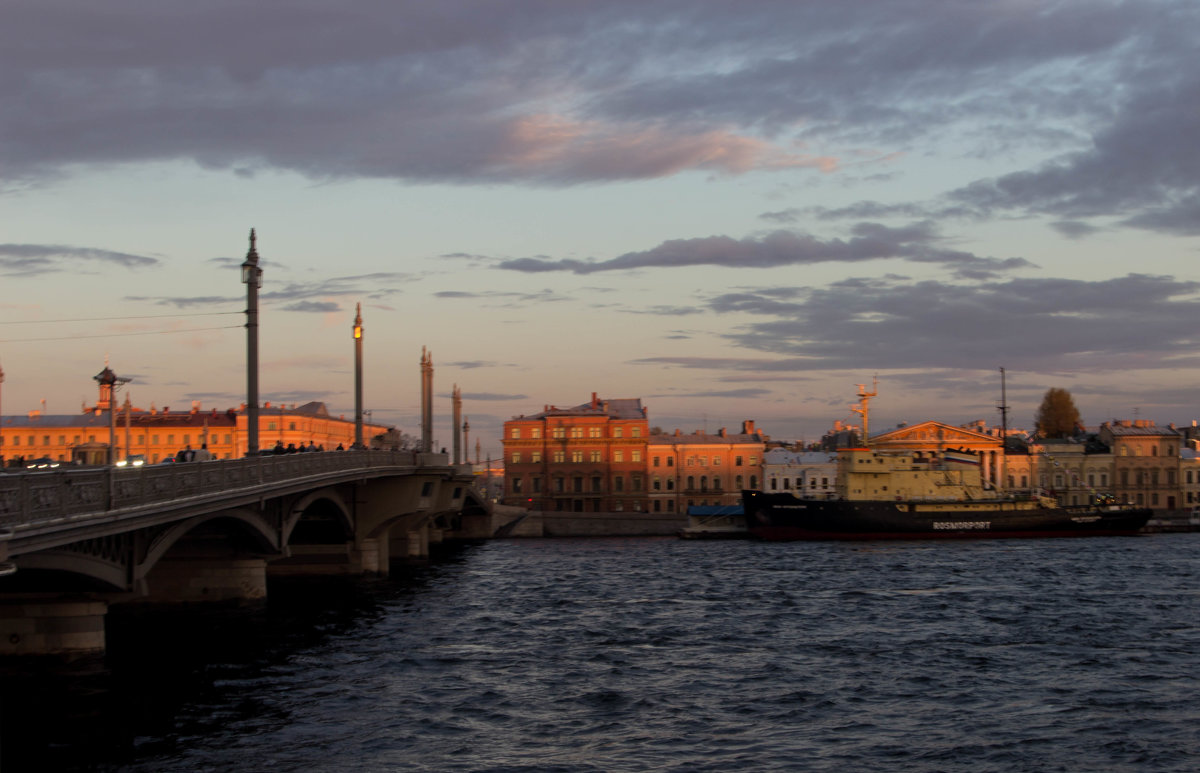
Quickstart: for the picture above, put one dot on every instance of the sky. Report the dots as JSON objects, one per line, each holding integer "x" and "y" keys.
{"x": 730, "y": 210}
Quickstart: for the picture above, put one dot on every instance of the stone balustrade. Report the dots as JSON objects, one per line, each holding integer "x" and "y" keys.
{"x": 31, "y": 497}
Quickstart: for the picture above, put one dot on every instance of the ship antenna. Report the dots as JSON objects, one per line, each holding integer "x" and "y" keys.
{"x": 863, "y": 408}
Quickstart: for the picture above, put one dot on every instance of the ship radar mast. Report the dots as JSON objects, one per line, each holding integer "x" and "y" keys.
{"x": 863, "y": 407}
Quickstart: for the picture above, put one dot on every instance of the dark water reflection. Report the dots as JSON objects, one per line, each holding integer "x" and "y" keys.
{"x": 656, "y": 654}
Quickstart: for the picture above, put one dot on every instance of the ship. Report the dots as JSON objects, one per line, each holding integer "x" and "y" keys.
{"x": 894, "y": 495}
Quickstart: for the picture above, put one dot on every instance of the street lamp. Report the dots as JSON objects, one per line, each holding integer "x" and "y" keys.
{"x": 252, "y": 278}
{"x": 358, "y": 389}
{"x": 109, "y": 383}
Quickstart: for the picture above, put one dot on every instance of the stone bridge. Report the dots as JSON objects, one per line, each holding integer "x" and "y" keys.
{"x": 74, "y": 541}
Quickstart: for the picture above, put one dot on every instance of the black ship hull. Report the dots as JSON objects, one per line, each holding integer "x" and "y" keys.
{"x": 780, "y": 516}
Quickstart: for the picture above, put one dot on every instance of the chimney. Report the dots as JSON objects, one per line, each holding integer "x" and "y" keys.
{"x": 748, "y": 427}
{"x": 267, "y": 404}
{"x": 595, "y": 402}
{"x": 721, "y": 432}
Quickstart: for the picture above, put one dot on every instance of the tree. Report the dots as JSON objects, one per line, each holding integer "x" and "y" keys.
{"x": 1057, "y": 417}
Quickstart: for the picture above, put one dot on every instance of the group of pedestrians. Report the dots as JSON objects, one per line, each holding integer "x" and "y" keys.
{"x": 189, "y": 454}
{"x": 303, "y": 449}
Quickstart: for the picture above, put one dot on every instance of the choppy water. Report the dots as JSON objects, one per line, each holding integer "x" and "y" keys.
{"x": 670, "y": 655}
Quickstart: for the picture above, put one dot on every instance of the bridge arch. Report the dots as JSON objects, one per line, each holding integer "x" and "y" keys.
{"x": 325, "y": 504}
{"x": 264, "y": 537}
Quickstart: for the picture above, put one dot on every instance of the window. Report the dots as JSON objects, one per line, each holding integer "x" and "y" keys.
{"x": 656, "y": 484}
{"x": 558, "y": 433}
{"x": 738, "y": 482}
{"x": 617, "y": 432}
{"x": 170, "y": 439}
{"x": 16, "y": 440}
{"x": 560, "y": 456}
{"x": 154, "y": 439}
{"x": 618, "y": 456}
{"x": 558, "y": 485}
{"x": 596, "y": 488}
{"x": 593, "y": 432}
{"x": 635, "y": 432}
{"x": 670, "y": 461}
{"x": 670, "y": 484}
{"x": 577, "y": 484}
{"x": 737, "y": 461}
{"x": 515, "y": 433}
{"x": 691, "y": 482}
{"x": 654, "y": 461}
{"x": 754, "y": 460}
{"x": 291, "y": 426}
{"x": 618, "y": 483}
{"x": 717, "y": 482}
{"x": 595, "y": 456}
{"x": 535, "y": 456}
{"x": 637, "y": 484}
{"x": 716, "y": 461}
{"x": 516, "y": 485}
{"x": 635, "y": 456}
{"x": 62, "y": 440}
{"x": 516, "y": 457}
{"x": 576, "y": 432}
{"x": 535, "y": 432}
{"x": 754, "y": 481}
{"x": 577, "y": 456}
{"x": 45, "y": 440}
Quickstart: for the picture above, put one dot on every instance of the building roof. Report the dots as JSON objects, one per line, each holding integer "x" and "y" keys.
{"x": 621, "y": 409}
{"x": 1138, "y": 427}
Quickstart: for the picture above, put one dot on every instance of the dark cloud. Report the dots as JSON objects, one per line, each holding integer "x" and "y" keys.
{"x": 186, "y": 302}
{"x": 562, "y": 93}
{"x": 492, "y": 397}
{"x": 750, "y": 393}
{"x": 1125, "y": 323}
{"x": 28, "y": 260}
{"x": 319, "y": 307}
{"x": 917, "y": 242}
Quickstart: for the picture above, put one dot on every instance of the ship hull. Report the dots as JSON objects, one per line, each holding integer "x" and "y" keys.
{"x": 780, "y": 516}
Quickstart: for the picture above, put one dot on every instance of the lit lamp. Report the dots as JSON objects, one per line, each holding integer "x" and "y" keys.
{"x": 109, "y": 382}
{"x": 252, "y": 278}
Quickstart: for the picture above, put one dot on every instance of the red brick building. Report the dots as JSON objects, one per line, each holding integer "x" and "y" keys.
{"x": 703, "y": 469}
{"x": 586, "y": 459}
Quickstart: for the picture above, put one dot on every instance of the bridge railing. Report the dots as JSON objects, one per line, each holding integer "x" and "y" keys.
{"x": 39, "y": 496}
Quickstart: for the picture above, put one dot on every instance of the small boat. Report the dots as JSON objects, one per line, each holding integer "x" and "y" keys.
{"x": 882, "y": 495}
{"x": 715, "y": 522}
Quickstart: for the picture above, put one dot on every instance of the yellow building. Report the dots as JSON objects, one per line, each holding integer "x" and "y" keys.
{"x": 157, "y": 435}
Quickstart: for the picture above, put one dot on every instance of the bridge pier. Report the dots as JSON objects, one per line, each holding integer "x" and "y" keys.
{"x": 195, "y": 579}
{"x": 52, "y": 625}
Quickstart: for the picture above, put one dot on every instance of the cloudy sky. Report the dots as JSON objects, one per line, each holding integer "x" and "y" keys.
{"x": 728, "y": 209}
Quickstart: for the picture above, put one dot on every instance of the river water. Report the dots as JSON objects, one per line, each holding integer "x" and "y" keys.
{"x": 662, "y": 655}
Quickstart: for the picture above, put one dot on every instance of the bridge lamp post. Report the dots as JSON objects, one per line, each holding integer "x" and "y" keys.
{"x": 110, "y": 382}
{"x": 252, "y": 278}
{"x": 358, "y": 401}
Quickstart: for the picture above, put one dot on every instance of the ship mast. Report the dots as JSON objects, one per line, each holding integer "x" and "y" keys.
{"x": 863, "y": 407}
{"x": 1003, "y": 408}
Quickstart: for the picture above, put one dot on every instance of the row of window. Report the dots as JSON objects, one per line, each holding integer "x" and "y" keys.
{"x": 141, "y": 439}
{"x": 786, "y": 483}
{"x": 560, "y": 433}
{"x": 558, "y": 484}
{"x": 535, "y": 457}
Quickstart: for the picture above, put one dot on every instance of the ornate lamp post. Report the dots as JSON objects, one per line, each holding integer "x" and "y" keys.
{"x": 358, "y": 401}
{"x": 252, "y": 278}
{"x": 109, "y": 382}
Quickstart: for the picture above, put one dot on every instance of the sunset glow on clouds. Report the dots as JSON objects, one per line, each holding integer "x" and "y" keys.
{"x": 731, "y": 210}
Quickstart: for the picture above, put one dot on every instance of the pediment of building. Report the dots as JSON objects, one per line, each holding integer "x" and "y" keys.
{"x": 929, "y": 433}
